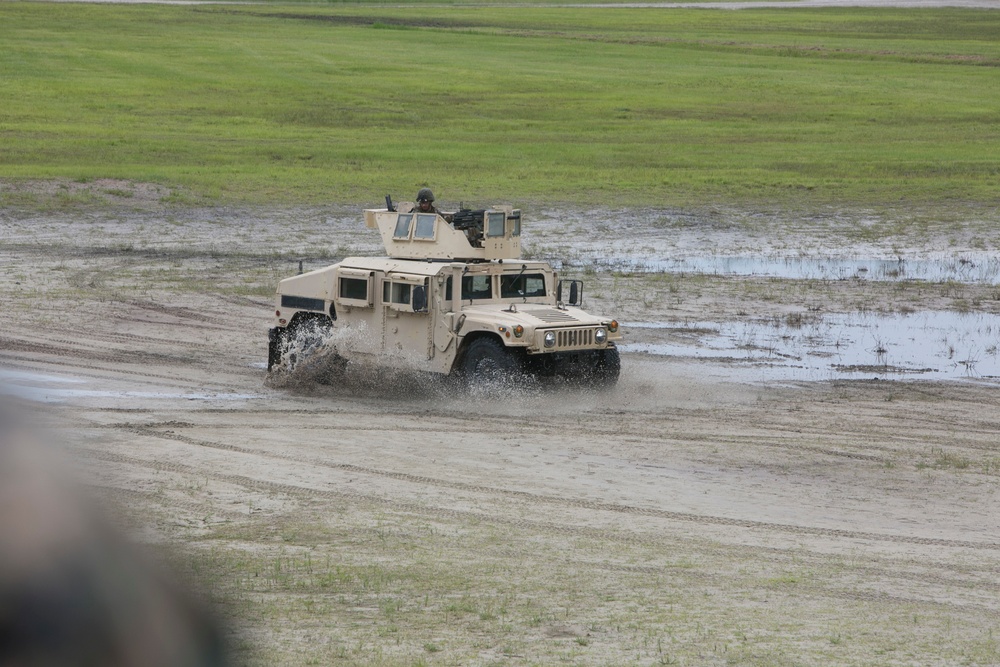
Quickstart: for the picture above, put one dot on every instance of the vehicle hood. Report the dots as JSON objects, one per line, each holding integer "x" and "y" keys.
{"x": 533, "y": 316}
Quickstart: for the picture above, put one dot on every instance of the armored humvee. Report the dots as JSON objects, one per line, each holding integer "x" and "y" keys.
{"x": 451, "y": 297}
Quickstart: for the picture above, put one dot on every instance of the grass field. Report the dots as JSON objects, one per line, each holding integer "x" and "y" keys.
{"x": 291, "y": 104}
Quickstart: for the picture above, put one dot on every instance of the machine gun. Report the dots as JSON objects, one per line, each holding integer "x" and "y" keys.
{"x": 470, "y": 222}
{"x": 467, "y": 219}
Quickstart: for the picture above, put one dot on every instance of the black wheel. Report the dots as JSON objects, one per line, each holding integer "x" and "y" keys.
{"x": 609, "y": 367}
{"x": 275, "y": 347}
{"x": 487, "y": 361}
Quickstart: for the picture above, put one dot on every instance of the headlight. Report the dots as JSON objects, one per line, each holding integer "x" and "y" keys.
{"x": 601, "y": 336}
{"x": 613, "y": 326}
{"x": 550, "y": 339}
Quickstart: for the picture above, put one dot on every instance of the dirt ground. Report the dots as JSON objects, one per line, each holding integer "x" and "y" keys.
{"x": 684, "y": 518}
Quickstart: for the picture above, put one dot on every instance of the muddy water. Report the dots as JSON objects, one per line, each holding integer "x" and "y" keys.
{"x": 932, "y": 345}
{"x": 924, "y": 345}
{"x": 966, "y": 268}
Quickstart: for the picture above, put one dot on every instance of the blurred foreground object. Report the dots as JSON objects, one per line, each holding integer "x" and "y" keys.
{"x": 72, "y": 591}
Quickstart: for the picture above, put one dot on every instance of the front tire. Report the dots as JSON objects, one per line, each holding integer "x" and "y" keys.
{"x": 609, "y": 367}
{"x": 488, "y": 361}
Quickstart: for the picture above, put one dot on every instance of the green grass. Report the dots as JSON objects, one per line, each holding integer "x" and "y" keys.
{"x": 310, "y": 104}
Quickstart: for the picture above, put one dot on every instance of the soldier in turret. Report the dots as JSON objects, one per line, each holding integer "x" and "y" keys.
{"x": 425, "y": 201}
{"x": 425, "y": 204}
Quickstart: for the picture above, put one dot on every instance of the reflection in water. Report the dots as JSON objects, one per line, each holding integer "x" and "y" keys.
{"x": 926, "y": 345}
{"x": 973, "y": 269}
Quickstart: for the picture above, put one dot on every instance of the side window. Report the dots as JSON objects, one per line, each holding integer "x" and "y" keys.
{"x": 405, "y": 294}
{"x": 477, "y": 287}
{"x": 398, "y": 293}
{"x": 353, "y": 288}
{"x": 523, "y": 285}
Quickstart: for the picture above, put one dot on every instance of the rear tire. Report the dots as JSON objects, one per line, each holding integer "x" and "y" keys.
{"x": 275, "y": 348}
{"x": 293, "y": 345}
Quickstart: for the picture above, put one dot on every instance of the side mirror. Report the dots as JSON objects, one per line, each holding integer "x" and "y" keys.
{"x": 419, "y": 299}
{"x": 574, "y": 293}
{"x": 559, "y": 292}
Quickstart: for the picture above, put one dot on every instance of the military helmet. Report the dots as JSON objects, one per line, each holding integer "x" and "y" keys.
{"x": 425, "y": 194}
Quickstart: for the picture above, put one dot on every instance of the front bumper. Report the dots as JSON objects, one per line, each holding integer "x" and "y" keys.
{"x": 573, "y": 339}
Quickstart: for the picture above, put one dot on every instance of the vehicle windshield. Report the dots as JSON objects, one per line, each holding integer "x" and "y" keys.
{"x": 512, "y": 286}
{"x": 522, "y": 285}
{"x": 477, "y": 287}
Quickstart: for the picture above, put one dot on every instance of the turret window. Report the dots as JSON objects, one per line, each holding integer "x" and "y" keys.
{"x": 403, "y": 226}
{"x": 425, "y": 227}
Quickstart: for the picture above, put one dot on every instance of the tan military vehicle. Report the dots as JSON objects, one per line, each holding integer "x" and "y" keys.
{"x": 452, "y": 297}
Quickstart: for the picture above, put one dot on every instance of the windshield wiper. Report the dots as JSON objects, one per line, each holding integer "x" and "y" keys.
{"x": 518, "y": 278}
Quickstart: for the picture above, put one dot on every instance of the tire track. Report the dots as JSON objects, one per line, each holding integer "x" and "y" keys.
{"x": 879, "y": 426}
{"x": 493, "y": 425}
{"x": 179, "y": 312}
{"x": 31, "y": 365}
{"x": 71, "y": 349}
{"x": 564, "y": 530}
{"x": 149, "y": 340}
{"x": 239, "y": 300}
{"x": 811, "y": 588}
{"x": 579, "y": 503}
{"x": 196, "y": 509}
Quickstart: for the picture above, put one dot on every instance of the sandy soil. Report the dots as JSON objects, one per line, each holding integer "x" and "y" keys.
{"x": 684, "y": 518}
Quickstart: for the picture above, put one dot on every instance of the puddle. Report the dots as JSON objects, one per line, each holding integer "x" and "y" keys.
{"x": 42, "y": 388}
{"x": 26, "y": 377}
{"x": 931, "y": 345}
{"x": 926, "y": 345}
{"x": 968, "y": 268}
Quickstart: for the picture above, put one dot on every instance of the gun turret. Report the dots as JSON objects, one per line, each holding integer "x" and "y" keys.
{"x": 469, "y": 234}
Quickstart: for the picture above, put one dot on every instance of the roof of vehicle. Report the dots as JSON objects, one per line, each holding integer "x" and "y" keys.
{"x": 423, "y": 267}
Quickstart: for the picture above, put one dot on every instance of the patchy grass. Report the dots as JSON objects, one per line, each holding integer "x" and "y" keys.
{"x": 375, "y": 587}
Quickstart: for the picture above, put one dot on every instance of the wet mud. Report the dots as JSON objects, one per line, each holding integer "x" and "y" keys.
{"x": 785, "y": 459}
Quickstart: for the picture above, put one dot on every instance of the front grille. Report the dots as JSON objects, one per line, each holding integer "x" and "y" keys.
{"x": 568, "y": 339}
